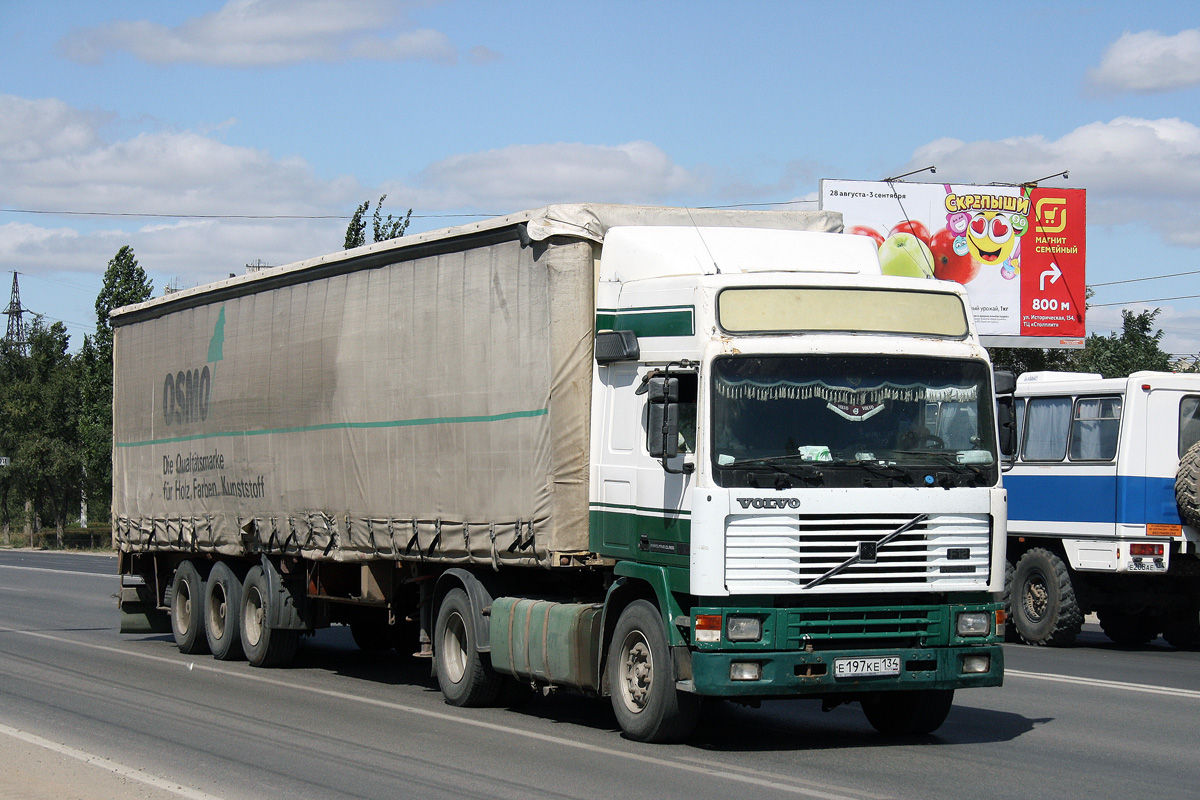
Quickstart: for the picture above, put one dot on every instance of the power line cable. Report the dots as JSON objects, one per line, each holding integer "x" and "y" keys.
{"x": 1151, "y": 278}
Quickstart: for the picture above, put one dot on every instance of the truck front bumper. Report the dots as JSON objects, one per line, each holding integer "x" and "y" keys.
{"x": 800, "y": 674}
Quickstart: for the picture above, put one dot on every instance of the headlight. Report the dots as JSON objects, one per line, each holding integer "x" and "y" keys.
{"x": 743, "y": 629}
{"x": 974, "y": 623}
{"x": 745, "y": 671}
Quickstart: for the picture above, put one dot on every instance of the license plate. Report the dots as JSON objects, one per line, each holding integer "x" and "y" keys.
{"x": 854, "y": 667}
{"x": 1146, "y": 566}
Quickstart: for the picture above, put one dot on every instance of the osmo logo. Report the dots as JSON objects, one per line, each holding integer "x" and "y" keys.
{"x": 185, "y": 396}
{"x": 769, "y": 502}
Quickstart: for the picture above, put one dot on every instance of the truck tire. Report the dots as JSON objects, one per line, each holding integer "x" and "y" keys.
{"x": 641, "y": 679}
{"x": 1187, "y": 486}
{"x": 372, "y": 633}
{"x": 1181, "y": 627}
{"x": 908, "y": 713}
{"x": 464, "y": 674}
{"x": 222, "y": 613}
{"x": 1129, "y": 628}
{"x": 1045, "y": 609}
{"x": 263, "y": 646}
{"x": 187, "y": 610}
{"x": 1010, "y": 630}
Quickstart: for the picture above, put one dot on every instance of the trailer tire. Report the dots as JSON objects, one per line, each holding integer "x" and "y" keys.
{"x": 464, "y": 674}
{"x": 264, "y": 646}
{"x": 222, "y": 613}
{"x": 187, "y": 610}
{"x": 1129, "y": 628}
{"x": 1187, "y": 486}
{"x": 911, "y": 713}
{"x": 1045, "y": 609}
{"x": 1181, "y": 627}
{"x": 371, "y": 632}
{"x": 641, "y": 675}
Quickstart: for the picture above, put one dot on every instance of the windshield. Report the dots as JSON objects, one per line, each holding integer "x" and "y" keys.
{"x": 780, "y": 421}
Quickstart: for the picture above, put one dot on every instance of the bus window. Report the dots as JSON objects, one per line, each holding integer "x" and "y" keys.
{"x": 1046, "y": 428}
{"x": 1189, "y": 422}
{"x": 1095, "y": 429}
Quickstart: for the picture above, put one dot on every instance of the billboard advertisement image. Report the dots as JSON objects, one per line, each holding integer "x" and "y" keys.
{"x": 1018, "y": 250}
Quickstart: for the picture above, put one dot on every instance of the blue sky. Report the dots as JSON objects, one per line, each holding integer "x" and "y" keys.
{"x": 207, "y": 111}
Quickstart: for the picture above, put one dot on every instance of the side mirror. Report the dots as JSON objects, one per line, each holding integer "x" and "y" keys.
{"x": 1006, "y": 382}
{"x": 662, "y": 419}
{"x": 1006, "y": 420}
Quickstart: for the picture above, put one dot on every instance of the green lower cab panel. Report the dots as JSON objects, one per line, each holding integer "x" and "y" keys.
{"x": 553, "y": 643}
{"x": 800, "y": 674}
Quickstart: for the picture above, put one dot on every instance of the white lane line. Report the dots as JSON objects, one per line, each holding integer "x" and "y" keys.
{"x": 109, "y": 575}
{"x": 1102, "y": 684}
{"x": 107, "y": 764}
{"x": 788, "y": 785}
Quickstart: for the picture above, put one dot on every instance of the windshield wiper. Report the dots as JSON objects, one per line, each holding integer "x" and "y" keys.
{"x": 782, "y": 464}
{"x": 881, "y": 470}
{"x": 949, "y": 459}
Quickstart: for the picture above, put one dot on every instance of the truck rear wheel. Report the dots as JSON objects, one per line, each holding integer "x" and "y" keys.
{"x": 641, "y": 679}
{"x": 187, "y": 610}
{"x": 908, "y": 713}
{"x": 1129, "y": 628}
{"x": 264, "y": 646}
{"x": 1187, "y": 486}
{"x": 1181, "y": 627}
{"x": 222, "y": 613}
{"x": 1045, "y": 610}
{"x": 464, "y": 674}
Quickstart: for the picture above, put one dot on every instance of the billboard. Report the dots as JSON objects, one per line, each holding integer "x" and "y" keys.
{"x": 1018, "y": 250}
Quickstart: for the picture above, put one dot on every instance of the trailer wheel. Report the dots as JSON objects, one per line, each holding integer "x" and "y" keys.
{"x": 1187, "y": 486}
{"x": 908, "y": 713}
{"x": 641, "y": 675}
{"x": 371, "y": 631}
{"x": 1181, "y": 627}
{"x": 187, "y": 610}
{"x": 264, "y": 646}
{"x": 222, "y": 613}
{"x": 464, "y": 674}
{"x": 1129, "y": 628}
{"x": 1045, "y": 609}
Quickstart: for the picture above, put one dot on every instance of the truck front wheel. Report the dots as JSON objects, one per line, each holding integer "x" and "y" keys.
{"x": 222, "y": 612}
{"x": 464, "y": 674}
{"x": 1045, "y": 610}
{"x": 641, "y": 676}
{"x": 264, "y": 646}
{"x": 908, "y": 713}
{"x": 187, "y": 610}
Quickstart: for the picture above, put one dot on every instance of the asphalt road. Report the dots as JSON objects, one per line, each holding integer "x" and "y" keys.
{"x": 88, "y": 713}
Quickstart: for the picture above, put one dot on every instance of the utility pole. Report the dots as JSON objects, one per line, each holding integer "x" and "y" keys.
{"x": 16, "y": 326}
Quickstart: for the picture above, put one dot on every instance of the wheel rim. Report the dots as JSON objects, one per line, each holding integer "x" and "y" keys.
{"x": 252, "y": 620}
{"x": 182, "y": 612}
{"x": 637, "y": 671}
{"x": 216, "y": 612}
{"x": 1036, "y": 597}
{"x": 454, "y": 648}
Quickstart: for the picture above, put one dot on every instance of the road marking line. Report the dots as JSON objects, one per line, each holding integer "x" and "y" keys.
{"x": 109, "y": 575}
{"x": 1097, "y": 682}
{"x": 793, "y": 787}
{"x": 107, "y": 764}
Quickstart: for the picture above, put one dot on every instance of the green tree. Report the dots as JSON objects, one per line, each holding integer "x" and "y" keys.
{"x": 124, "y": 283}
{"x": 1135, "y": 348}
{"x": 383, "y": 229}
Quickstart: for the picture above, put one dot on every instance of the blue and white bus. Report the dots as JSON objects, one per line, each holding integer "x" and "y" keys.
{"x": 1103, "y": 507}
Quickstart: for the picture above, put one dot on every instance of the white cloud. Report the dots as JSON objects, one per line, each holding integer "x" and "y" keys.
{"x": 1136, "y": 171}
{"x": 531, "y": 175}
{"x": 258, "y": 33}
{"x": 1149, "y": 62}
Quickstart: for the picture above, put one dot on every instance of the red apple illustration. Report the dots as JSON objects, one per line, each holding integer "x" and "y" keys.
{"x": 915, "y": 227}
{"x": 866, "y": 230}
{"x": 949, "y": 265}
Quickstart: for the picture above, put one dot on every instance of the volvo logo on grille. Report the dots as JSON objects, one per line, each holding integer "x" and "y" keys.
{"x": 769, "y": 502}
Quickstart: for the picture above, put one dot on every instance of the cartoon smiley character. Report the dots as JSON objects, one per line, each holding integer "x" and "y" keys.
{"x": 990, "y": 237}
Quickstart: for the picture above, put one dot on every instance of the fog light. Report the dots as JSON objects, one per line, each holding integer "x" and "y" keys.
{"x": 745, "y": 671}
{"x": 976, "y": 664}
{"x": 743, "y": 629}
{"x": 974, "y": 623}
{"x": 708, "y": 628}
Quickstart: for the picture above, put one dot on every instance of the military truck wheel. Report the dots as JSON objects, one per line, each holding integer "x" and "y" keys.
{"x": 264, "y": 646}
{"x": 1187, "y": 486}
{"x": 1129, "y": 628}
{"x": 908, "y": 713}
{"x": 641, "y": 679}
{"x": 1181, "y": 627}
{"x": 1010, "y": 629}
{"x": 187, "y": 610}
{"x": 1044, "y": 608}
{"x": 464, "y": 674}
{"x": 222, "y": 613}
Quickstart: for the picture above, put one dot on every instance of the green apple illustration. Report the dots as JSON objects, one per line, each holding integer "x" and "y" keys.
{"x": 905, "y": 255}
